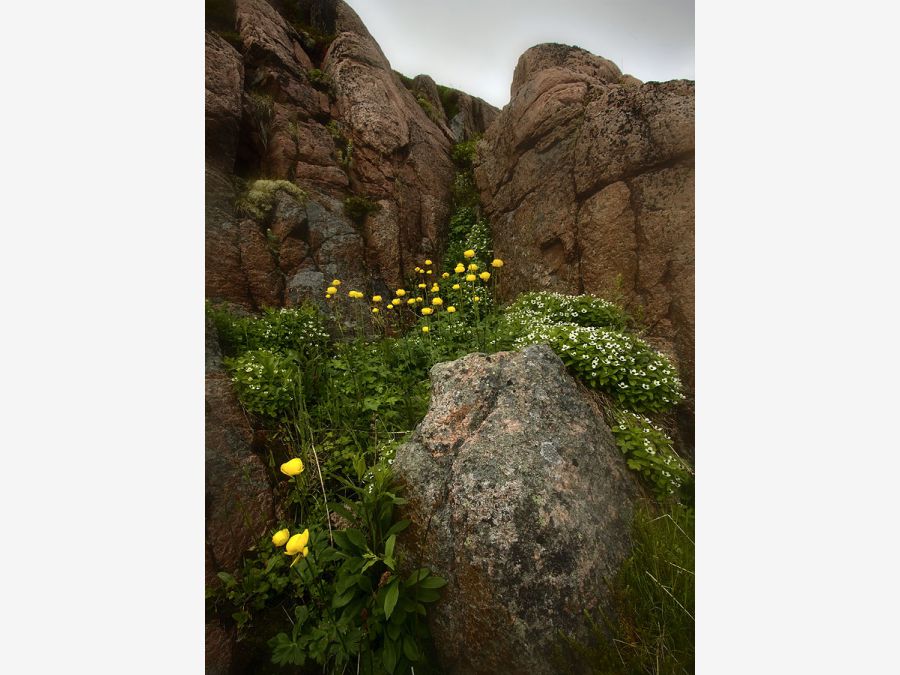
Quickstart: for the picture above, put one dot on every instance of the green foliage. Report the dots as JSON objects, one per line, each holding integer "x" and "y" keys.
{"x": 425, "y": 104}
{"x": 464, "y": 153}
{"x": 299, "y": 329}
{"x": 351, "y": 602}
{"x": 615, "y": 362}
{"x": 259, "y": 199}
{"x": 261, "y": 110}
{"x": 343, "y": 146}
{"x": 358, "y": 208}
{"x": 650, "y": 626}
{"x": 319, "y": 80}
{"x": 449, "y": 100}
{"x": 649, "y": 451}
{"x": 267, "y": 383}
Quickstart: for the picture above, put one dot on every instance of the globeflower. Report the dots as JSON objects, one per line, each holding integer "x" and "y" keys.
{"x": 355, "y": 294}
{"x": 451, "y": 309}
{"x": 455, "y": 287}
{"x": 473, "y": 267}
{"x": 460, "y": 268}
{"x": 445, "y": 275}
{"x": 422, "y": 285}
{"x": 476, "y": 299}
{"x": 496, "y": 262}
{"x": 437, "y": 301}
{"x": 376, "y": 298}
{"x": 469, "y": 254}
{"x": 425, "y": 329}
{"x": 411, "y": 301}
{"x": 485, "y": 276}
{"x": 435, "y": 288}
{"x": 400, "y": 292}
{"x": 280, "y": 538}
{"x": 293, "y": 467}
{"x": 331, "y": 290}
{"x": 374, "y": 310}
{"x": 470, "y": 277}
{"x": 336, "y": 282}
{"x": 418, "y": 298}
{"x": 395, "y": 301}
{"x": 427, "y": 310}
{"x": 427, "y": 271}
{"x": 427, "y": 262}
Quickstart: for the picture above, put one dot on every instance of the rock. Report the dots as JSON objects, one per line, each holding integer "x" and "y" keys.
{"x": 473, "y": 116}
{"x": 313, "y": 100}
{"x": 587, "y": 177}
{"x": 239, "y": 496}
{"x": 519, "y": 497}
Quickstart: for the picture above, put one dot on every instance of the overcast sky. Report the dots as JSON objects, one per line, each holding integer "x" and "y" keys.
{"x": 473, "y": 45}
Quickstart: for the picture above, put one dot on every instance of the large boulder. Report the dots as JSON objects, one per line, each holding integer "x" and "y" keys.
{"x": 519, "y": 497}
{"x": 587, "y": 177}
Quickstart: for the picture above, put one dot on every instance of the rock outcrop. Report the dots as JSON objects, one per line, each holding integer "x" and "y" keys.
{"x": 240, "y": 502}
{"x": 587, "y": 177}
{"x": 303, "y": 93}
{"x": 520, "y": 498}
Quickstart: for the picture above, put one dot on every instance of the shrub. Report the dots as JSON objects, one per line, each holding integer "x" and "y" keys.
{"x": 298, "y": 329}
{"x": 261, "y": 109}
{"x": 649, "y": 451}
{"x": 449, "y": 101}
{"x": 649, "y": 627}
{"x": 267, "y": 383}
{"x": 622, "y": 365}
{"x": 357, "y": 208}
{"x": 319, "y": 80}
{"x": 464, "y": 153}
{"x": 258, "y": 201}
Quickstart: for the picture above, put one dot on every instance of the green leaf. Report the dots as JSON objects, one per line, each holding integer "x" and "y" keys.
{"x": 410, "y": 649}
{"x": 389, "y": 656}
{"x": 433, "y": 582}
{"x": 357, "y": 539}
{"x": 390, "y": 598}
{"x": 389, "y": 546}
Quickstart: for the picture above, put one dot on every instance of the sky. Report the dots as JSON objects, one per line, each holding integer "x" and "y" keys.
{"x": 473, "y": 45}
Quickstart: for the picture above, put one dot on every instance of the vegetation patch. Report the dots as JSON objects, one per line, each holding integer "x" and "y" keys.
{"x": 358, "y": 208}
{"x": 259, "y": 199}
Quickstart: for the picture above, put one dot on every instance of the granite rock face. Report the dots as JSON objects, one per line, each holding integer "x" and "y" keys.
{"x": 307, "y": 96}
{"x": 520, "y": 498}
{"x": 587, "y": 177}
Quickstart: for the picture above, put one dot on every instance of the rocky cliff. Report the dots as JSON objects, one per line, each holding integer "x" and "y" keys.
{"x": 587, "y": 176}
{"x": 300, "y": 92}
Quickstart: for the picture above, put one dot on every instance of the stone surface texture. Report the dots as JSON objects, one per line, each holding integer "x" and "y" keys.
{"x": 587, "y": 177}
{"x": 329, "y": 115}
{"x": 520, "y": 498}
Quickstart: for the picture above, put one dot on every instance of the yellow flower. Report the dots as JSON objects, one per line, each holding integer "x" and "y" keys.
{"x": 425, "y": 329}
{"x": 427, "y": 262}
{"x": 485, "y": 276}
{"x": 460, "y": 268}
{"x": 376, "y": 298}
{"x": 427, "y": 310}
{"x": 473, "y": 267}
{"x": 374, "y": 310}
{"x": 419, "y": 270}
{"x": 496, "y": 262}
{"x": 328, "y": 296}
{"x": 469, "y": 254}
{"x": 336, "y": 282}
{"x": 476, "y": 299}
{"x": 421, "y": 285}
{"x": 419, "y": 298}
{"x": 390, "y": 306}
{"x": 280, "y": 538}
{"x": 297, "y": 543}
{"x": 411, "y": 301}
{"x": 292, "y": 467}
{"x": 455, "y": 287}
{"x": 355, "y": 294}
{"x": 435, "y": 288}
{"x": 437, "y": 301}
{"x": 400, "y": 292}
{"x": 445, "y": 275}
{"x": 331, "y": 290}
{"x": 428, "y": 272}
{"x": 470, "y": 277}
{"x": 451, "y": 309}
{"x": 395, "y": 301}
